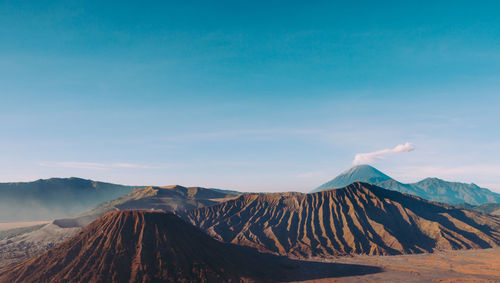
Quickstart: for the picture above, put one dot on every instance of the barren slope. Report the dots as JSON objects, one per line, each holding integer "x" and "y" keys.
{"x": 361, "y": 219}
{"x": 134, "y": 245}
{"x": 145, "y": 246}
{"x": 169, "y": 198}
{"x": 32, "y": 243}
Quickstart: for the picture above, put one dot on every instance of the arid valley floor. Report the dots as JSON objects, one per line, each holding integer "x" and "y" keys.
{"x": 444, "y": 266}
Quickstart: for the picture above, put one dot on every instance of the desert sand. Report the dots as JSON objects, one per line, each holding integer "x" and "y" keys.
{"x": 478, "y": 265}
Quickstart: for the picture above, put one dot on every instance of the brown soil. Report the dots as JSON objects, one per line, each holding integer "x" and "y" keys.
{"x": 445, "y": 266}
{"x": 358, "y": 219}
{"x": 168, "y": 198}
{"x": 26, "y": 243}
{"x": 144, "y": 246}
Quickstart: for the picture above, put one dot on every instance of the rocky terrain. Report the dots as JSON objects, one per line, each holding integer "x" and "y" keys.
{"x": 24, "y": 243}
{"x": 358, "y": 219}
{"x": 144, "y": 246}
{"x": 18, "y": 244}
{"x": 304, "y": 237}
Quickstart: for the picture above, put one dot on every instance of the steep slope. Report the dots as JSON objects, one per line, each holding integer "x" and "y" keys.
{"x": 54, "y": 198}
{"x": 360, "y": 173}
{"x": 432, "y": 189}
{"x": 133, "y": 245}
{"x": 171, "y": 198}
{"x": 145, "y": 246}
{"x": 358, "y": 219}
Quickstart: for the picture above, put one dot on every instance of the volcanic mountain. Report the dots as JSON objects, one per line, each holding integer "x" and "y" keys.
{"x": 358, "y": 219}
{"x": 170, "y": 198}
{"x": 433, "y": 189}
{"x": 360, "y": 173}
{"x": 146, "y": 246}
{"x": 54, "y": 198}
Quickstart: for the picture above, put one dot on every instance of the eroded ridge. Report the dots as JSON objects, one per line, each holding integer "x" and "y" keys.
{"x": 358, "y": 219}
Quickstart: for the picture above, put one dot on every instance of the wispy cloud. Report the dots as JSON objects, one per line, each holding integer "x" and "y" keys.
{"x": 370, "y": 157}
{"x": 93, "y": 165}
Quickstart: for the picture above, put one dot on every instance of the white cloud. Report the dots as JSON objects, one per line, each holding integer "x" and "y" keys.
{"x": 92, "y": 165}
{"x": 370, "y": 157}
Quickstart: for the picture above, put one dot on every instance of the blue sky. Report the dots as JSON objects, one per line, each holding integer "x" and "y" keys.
{"x": 254, "y": 96}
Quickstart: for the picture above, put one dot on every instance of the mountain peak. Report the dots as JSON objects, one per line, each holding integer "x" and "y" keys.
{"x": 364, "y": 168}
{"x": 431, "y": 179}
{"x": 359, "y": 173}
{"x": 144, "y": 246}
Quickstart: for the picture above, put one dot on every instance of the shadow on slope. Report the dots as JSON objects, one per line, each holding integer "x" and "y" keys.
{"x": 358, "y": 219}
{"x": 284, "y": 269}
{"x": 145, "y": 246}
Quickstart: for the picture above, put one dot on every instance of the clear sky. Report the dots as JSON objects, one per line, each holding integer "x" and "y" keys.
{"x": 249, "y": 95}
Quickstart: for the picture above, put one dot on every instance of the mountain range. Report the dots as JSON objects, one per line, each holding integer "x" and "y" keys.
{"x": 23, "y": 243}
{"x": 433, "y": 189}
{"x": 358, "y": 219}
{"x": 132, "y": 245}
{"x": 54, "y": 198}
{"x": 248, "y": 237}
{"x": 145, "y": 246}
{"x": 57, "y": 198}
{"x": 333, "y": 222}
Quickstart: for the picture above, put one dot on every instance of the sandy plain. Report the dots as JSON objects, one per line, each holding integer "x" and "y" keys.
{"x": 12, "y": 225}
{"x": 480, "y": 265}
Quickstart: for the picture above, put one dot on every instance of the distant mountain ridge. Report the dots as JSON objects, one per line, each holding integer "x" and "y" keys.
{"x": 47, "y": 199}
{"x": 433, "y": 189}
{"x": 490, "y": 208}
